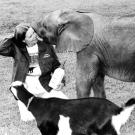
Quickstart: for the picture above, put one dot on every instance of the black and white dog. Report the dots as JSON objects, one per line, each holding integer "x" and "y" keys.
{"x": 86, "y": 116}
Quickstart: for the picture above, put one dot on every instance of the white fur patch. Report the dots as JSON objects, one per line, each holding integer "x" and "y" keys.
{"x": 64, "y": 126}
{"x": 121, "y": 119}
{"x": 16, "y": 83}
{"x": 24, "y": 113}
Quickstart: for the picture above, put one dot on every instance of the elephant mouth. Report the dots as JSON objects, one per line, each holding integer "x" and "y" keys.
{"x": 50, "y": 40}
{"x": 46, "y": 40}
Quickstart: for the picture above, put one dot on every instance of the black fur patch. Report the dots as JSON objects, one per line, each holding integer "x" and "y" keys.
{"x": 130, "y": 102}
{"x": 48, "y": 128}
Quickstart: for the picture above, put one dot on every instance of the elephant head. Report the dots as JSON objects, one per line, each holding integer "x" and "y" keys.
{"x": 67, "y": 29}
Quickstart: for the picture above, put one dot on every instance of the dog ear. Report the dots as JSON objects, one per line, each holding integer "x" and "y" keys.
{"x": 14, "y": 92}
{"x": 13, "y": 88}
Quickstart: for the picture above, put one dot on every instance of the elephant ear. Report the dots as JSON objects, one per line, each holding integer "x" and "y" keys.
{"x": 76, "y": 34}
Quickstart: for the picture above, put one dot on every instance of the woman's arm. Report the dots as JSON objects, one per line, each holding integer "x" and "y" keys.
{"x": 6, "y": 46}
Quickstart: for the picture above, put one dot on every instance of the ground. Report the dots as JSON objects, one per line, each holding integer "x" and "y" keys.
{"x": 13, "y": 12}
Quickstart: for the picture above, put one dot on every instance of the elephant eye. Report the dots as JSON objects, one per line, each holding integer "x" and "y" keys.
{"x": 42, "y": 32}
{"x": 49, "y": 29}
{"x": 44, "y": 25}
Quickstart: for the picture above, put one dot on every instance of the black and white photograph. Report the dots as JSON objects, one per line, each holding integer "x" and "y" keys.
{"x": 67, "y": 67}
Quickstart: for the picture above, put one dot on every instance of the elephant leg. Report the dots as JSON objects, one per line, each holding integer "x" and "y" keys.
{"x": 86, "y": 71}
{"x": 82, "y": 86}
{"x": 98, "y": 86}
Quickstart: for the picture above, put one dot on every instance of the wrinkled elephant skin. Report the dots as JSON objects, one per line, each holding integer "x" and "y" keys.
{"x": 104, "y": 46}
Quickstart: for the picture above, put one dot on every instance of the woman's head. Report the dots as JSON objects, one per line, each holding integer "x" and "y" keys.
{"x": 20, "y": 31}
{"x": 25, "y": 33}
{"x": 31, "y": 37}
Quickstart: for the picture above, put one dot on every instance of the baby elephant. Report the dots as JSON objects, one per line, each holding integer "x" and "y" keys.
{"x": 85, "y": 116}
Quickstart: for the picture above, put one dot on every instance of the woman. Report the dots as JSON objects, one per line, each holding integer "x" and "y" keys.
{"x": 34, "y": 62}
{"x": 42, "y": 56}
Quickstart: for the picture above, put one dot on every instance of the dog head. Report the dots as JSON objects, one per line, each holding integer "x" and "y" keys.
{"x": 20, "y": 93}
{"x": 18, "y": 89}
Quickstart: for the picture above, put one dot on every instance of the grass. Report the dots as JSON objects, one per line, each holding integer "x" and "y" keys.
{"x": 14, "y": 12}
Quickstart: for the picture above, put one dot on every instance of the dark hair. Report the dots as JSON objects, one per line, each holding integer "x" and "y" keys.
{"x": 20, "y": 32}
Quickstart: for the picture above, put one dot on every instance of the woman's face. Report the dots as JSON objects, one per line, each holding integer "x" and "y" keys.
{"x": 31, "y": 38}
